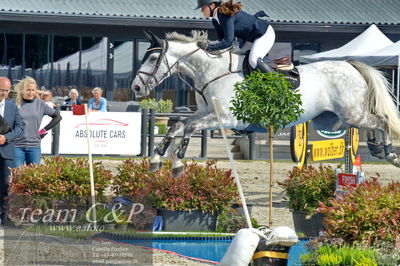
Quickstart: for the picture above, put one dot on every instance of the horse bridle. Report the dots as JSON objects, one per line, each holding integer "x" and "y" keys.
{"x": 164, "y": 50}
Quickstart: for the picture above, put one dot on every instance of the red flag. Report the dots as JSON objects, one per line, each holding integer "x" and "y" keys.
{"x": 78, "y": 109}
{"x": 357, "y": 161}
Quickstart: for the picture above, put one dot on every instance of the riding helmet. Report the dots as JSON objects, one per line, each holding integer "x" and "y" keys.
{"x": 201, "y": 3}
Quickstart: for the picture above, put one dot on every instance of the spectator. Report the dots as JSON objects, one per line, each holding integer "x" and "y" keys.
{"x": 97, "y": 103}
{"x": 32, "y": 110}
{"x": 10, "y": 113}
{"x": 47, "y": 97}
{"x": 72, "y": 100}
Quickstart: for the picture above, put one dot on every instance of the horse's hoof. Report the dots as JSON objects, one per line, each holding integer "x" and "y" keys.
{"x": 155, "y": 166}
{"x": 176, "y": 172}
{"x": 377, "y": 155}
{"x": 389, "y": 149}
{"x": 393, "y": 159}
{"x": 376, "y": 149}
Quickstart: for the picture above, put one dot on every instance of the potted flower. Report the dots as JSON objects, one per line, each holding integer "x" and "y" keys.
{"x": 122, "y": 221}
{"x": 57, "y": 183}
{"x": 190, "y": 202}
{"x": 305, "y": 188}
{"x": 105, "y": 217}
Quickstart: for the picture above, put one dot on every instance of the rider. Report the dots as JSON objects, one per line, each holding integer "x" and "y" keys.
{"x": 230, "y": 21}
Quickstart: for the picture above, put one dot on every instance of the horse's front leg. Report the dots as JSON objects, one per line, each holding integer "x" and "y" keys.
{"x": 208, "y": 121}
{"x": 175, "y": 129}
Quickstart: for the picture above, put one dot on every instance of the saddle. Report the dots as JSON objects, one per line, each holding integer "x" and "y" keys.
{"x": 281, "y": 65}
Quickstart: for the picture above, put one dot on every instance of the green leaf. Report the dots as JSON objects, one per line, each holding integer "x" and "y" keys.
{"x": 266, "y": 99}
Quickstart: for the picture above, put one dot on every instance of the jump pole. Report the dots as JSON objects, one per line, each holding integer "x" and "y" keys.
{"x": 92, "y": 194}
{"x": 218, "y": 111}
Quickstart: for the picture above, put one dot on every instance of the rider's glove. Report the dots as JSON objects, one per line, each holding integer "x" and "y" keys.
{"x": 203, "y": 44}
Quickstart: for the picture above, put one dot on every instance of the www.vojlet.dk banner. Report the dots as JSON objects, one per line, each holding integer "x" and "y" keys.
{"x": 110, "y": 133}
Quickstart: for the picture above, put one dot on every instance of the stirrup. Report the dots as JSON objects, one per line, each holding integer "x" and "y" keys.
{"x": 263, "y": 67}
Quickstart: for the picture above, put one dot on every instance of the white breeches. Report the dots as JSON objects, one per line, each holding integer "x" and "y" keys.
{"x": 261, "y": 46}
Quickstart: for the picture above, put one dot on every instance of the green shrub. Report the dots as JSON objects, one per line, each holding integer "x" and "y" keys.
{"x": 129, "y": 180}
{"x": 340, "y": 255}
{"x": 266, "y": 99}
{"x": 229, "y": 221}
{"x": 308, "y": 186}
{"x": 162, "y": 106}
{"x": 207, "y": 189}
{"x": 162, "y": 129}
{"x": 148, "y": 103}
{"x": 369, "y": 214}
{"x": 59, "y": 177}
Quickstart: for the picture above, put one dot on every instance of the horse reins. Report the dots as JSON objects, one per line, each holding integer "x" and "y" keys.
{"x": 168, "y": 73}
{"x": 220, "y": 76}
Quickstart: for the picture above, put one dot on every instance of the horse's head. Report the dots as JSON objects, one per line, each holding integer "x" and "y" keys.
{"x": 154, "y": 68}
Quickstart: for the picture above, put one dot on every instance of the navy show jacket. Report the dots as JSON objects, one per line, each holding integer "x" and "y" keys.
{"x": 242, "y": 25}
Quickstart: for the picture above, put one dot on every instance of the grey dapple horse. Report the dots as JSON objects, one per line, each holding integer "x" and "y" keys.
{"x": 334, "y": 93}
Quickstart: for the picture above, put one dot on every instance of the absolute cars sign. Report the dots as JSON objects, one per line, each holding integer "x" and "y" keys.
{"x": 110, "y": 133}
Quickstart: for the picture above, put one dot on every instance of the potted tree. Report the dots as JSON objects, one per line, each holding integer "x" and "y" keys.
{"x": 305, "y": 189}
{"x": 267, "y": 99}
{"x": 160, "y": 107}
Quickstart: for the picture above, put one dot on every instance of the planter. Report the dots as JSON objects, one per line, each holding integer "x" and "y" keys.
{"x": 162, "y": 120}
{"x": 309, "y": 226}
{"x": 122, "y": 227}
{"x": 109, "y": 226}
{"x": 188, "y": 221}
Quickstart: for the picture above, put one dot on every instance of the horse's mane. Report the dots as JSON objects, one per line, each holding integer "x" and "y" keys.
{"x": 197, "y": 35}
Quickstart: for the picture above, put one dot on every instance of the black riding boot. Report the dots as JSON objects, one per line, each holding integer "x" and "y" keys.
{"x": 262, "y": 66}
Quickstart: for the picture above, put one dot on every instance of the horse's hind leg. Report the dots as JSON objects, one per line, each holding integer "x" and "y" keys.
{"x": 374, "y": 122}
{"x": 374, "y": 146}
{"x": 390, "y": 154}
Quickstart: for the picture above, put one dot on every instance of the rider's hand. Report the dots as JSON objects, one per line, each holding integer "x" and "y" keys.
{"x": 203, "y": 44}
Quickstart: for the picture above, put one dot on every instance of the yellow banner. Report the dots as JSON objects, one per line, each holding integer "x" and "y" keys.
{"x": 327, "y": 149}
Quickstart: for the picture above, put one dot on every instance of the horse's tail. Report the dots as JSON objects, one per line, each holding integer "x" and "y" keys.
{"x": 380, "y": 101}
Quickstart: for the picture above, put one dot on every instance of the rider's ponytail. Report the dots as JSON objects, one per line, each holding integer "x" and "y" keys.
{"x": 230, "y": 8}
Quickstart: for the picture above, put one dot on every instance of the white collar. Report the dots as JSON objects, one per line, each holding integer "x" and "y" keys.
{"x": 216, "y": 16}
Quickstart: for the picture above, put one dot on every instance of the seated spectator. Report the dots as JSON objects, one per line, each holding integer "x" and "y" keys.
{"x": 97, "y": 103}
{"x": 73, "y": 99}
{"x": 47, "y": 97}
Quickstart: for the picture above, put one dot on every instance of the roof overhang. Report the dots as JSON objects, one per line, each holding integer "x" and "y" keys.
{"x": 168, "y": 22}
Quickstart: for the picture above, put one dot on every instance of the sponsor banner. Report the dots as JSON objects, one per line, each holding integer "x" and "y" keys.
{"x": 327, "y": 149}
{"x": 345, "y": 179}
{"x": 331, "y": 134}
{"x": 110, "y": 133}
